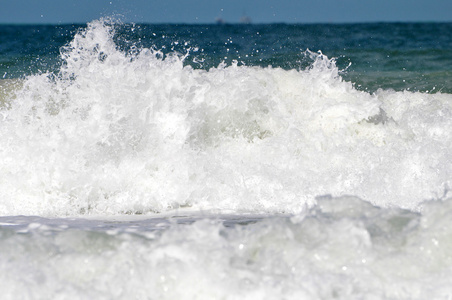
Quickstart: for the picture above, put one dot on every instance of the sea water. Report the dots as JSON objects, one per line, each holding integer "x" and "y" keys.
{"x": 226, "y": 162}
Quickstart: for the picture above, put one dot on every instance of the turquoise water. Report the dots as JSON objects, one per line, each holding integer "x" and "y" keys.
{"x": 225, "y": 162}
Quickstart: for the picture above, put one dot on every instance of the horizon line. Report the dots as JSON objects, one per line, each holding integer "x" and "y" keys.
{"x": 221, "y": 24}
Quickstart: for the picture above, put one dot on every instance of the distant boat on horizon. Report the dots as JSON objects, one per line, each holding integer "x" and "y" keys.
{"x": 245, "y": 19}
{"x": 220, "y": 21}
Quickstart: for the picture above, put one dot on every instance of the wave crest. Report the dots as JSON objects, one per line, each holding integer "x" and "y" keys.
{"x": 138, "y": 131}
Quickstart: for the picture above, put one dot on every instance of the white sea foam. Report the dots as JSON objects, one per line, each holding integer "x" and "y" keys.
{"x": 344, "y": 248}
{"x": 118, "y": 133}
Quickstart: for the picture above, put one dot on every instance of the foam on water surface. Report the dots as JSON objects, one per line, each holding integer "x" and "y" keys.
{"x": 344, "y": 248}
{"x": 131, "y": 174}
{"x": 119, "y": 132}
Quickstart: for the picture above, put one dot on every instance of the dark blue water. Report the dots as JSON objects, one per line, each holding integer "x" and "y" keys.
{"x": 399, "y": 56}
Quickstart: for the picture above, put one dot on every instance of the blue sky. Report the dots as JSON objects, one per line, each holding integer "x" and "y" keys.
{"x": 206, "y": 11}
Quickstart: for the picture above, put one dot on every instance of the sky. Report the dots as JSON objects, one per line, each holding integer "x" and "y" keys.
{"x": 231, "y": 11}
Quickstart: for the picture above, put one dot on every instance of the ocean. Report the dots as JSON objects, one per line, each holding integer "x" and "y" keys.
{"x": 272, "y": 161}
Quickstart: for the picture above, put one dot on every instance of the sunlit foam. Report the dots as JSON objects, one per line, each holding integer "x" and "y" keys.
{"x": 117, "y": 132}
